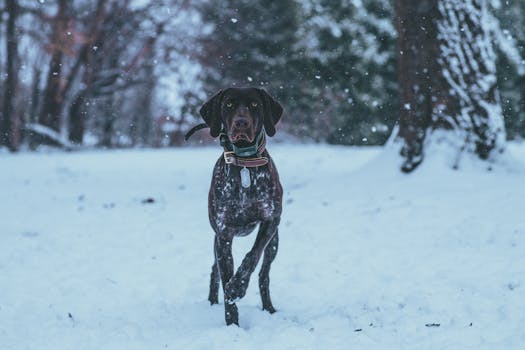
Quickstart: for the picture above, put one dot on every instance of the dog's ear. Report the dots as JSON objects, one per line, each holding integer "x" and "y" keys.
{"x": 211, "y": 113}
{"x": 272, "y": 112}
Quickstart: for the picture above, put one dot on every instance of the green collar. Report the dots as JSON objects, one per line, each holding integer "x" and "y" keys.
{"x": 250, "y": 156}
{"x": 249, "y": 150}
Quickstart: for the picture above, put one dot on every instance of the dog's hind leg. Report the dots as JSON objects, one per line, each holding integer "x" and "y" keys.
{"x": 215, "y": 279}
{"x": 264, "y": 275}
{"x": 223, "y": 252}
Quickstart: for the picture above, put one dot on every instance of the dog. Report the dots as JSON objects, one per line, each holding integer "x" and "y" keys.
{"x": 245, "y": 192}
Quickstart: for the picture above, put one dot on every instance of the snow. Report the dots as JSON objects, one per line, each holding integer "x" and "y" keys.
{"x": 113, "y": 250}
{"x": 50, "y": 133}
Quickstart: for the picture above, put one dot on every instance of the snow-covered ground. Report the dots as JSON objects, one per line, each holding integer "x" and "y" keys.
{"x": 369, "y": 258}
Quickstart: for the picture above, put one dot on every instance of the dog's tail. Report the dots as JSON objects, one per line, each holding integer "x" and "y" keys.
{"x": 195, "y": 129}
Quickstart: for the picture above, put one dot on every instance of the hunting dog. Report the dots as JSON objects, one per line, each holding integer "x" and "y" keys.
{"x": 245, "y": 191}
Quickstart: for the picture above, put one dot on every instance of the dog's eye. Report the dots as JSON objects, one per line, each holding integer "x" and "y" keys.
{"x": 229, "y": 104}
{"x": 254, "y": 104}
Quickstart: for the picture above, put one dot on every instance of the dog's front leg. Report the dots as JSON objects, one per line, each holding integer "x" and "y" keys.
{"x": 223, "y": 253}
{"x": 238, "y": 284}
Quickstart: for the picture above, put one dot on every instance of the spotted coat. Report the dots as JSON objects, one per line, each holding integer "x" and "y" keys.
{"x": 235, "y": 210}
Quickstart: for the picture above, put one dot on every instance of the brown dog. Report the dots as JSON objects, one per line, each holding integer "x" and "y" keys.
{"x": 245, "y": 191}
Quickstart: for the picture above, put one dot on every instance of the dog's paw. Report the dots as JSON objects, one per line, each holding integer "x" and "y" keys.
{"x": 235, "y": 289}
{"x": 231, "y": 315}
{"x": 269, "y": 308}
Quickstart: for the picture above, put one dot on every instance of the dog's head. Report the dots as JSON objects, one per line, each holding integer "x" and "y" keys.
{"x": 243, "y": 112}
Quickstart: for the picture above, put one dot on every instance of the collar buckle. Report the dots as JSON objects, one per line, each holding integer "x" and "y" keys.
{"x": 229, "y": 157}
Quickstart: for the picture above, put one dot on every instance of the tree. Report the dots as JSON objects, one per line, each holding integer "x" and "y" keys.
{"x": 10, "y": 120}
{"x": 417, "y": 49}
{"x": 86, "y": 68}
{"x": 60, "y": 43}
{"x": 348, "y": 48}
{"x": 86, "y": 58}
{"x": 510, "y": 42}
{"x": 332, "y": 62}
{"x": 249, "y": 43}
{"x": 473, "y": 85}
{"x": 447, "y": 77}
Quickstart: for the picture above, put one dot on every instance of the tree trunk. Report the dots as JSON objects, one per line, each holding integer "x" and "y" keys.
{"x": 140, "y": 130}
{"x": 78, "y": 110}
{"x": 108, "y": 125}
{"x": 10, "y": 123}
{"x": 35, "y": 95}
{"x": 447, "y": 76}
{"x": 35, "y": 102}
{"x": 416, "y": 48}
{"x": 468, "y": 64}
{"x": 53, "y": 99}
{"x": 77, "y": 115}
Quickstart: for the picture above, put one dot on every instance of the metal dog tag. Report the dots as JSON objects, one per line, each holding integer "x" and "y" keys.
{"x": 245, "y": 178}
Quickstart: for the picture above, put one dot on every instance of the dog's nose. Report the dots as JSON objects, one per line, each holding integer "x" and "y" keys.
{"x": 241, "y": 119}
{"x": 241, "y": 123}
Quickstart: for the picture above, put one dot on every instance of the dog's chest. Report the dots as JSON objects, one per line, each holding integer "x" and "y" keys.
{"x": 247, "y": 186}
{"x": 251, "y": 195}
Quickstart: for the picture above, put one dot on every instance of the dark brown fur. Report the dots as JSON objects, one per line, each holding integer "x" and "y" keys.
{"x": 235, "y": 210}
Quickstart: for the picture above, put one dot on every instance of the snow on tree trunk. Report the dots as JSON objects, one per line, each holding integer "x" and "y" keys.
{"x": 447, "y": 77}
{"x": 468, "y": 63}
